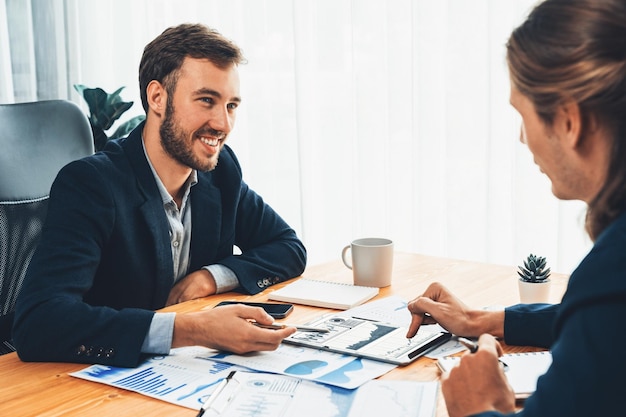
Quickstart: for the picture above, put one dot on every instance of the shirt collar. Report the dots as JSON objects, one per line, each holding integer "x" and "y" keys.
{"x": 165, "y": 196}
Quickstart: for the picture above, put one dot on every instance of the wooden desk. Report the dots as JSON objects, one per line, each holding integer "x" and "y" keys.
{"x": 46, "y": 389}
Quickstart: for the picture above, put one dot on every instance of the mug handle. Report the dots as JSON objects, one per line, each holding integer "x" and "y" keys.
{"x": 343, "y": 256}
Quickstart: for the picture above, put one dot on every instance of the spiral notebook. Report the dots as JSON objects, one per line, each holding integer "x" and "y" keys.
{"x": 324, "y": 294}
{"x": 523, "y": 369}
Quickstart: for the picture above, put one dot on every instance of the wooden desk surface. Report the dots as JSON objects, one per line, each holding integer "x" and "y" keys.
{"x": 46, "y": 389}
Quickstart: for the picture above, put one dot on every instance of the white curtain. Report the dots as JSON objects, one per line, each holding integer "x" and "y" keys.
{"x": 359, "y": 117}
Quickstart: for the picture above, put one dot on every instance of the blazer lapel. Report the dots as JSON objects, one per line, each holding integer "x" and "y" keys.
{"x": 206, "y": 220}
{"x": 153, "y": 214}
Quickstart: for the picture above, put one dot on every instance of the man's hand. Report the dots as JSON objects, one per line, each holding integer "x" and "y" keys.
{"x": 228, "y": 328}
{"x": 478, "y": 383}
{"x": 198, "y": 284}
{"x": 452, "y": 314}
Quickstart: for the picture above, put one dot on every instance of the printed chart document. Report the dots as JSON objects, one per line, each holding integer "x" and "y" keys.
{"x": 188, "y": 376}
{"x": 344, "y": 371}
{"x": 179, "y": 378}
{"x": 270, "y": 395}
{"x": 523, "y": 369}
{"x": 369, "y": 339}
{"x": 393, "y": 310}
{"x": 324, "y": 294}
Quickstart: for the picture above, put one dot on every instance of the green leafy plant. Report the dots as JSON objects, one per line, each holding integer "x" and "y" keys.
{"x": 105, "y": 109}
{"x": 534, "y": 269}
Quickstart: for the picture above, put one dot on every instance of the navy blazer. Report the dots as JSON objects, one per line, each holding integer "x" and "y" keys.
{"x": 586, "y": 334}
{"x": 104, "y": 263}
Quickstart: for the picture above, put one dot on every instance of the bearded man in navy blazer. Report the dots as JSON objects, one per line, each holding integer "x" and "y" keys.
{"x": 152, "y": 220}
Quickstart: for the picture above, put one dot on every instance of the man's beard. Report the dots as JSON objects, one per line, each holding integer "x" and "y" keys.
{"x": 173, "y": 140}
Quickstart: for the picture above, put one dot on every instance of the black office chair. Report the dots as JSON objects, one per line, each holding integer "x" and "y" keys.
{"x": 36, "y": 140}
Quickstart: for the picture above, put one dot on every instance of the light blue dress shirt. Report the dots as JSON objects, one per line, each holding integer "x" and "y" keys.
{"x": 159, "y": 337}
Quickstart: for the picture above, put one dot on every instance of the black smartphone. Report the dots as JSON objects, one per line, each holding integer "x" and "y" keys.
{"x": 276, "y": 310}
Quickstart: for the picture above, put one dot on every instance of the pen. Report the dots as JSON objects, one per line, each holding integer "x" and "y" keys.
{"x": 215, "y": 394}
{"x": 278, "y": 326}
{"x": 473, "y": 347}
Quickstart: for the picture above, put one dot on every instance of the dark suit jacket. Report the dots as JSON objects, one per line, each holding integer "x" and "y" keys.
{"x": 105, "y": 262}
{"x": 586, "y": 334}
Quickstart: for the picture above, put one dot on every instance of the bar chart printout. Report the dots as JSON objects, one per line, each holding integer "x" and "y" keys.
{"x": 182, "y": 379}
{"x": 187, "y": 378}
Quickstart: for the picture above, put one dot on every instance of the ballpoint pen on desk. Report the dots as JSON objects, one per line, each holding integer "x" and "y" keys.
{"x": 215, "y": 394}
{"x": 278, "y": 326}
{"x": 473, "y": 347}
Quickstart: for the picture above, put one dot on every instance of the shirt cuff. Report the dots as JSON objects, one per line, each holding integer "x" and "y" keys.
{"x": 159, "y": 337}
{"x": 225, "y": 278}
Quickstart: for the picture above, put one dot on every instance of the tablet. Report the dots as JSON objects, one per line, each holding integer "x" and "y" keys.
{"x": 369, "y": 339}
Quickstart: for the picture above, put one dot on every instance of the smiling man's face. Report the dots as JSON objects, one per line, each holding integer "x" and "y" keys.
{"x": 200, "y": 113}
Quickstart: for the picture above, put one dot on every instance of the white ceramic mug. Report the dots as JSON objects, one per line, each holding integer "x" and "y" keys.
{"x": 371, "y": 261}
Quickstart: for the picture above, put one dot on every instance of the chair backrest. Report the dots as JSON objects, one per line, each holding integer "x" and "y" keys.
{"x": 36, "y": 140}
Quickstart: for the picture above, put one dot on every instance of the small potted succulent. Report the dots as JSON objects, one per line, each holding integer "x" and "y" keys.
{"x": 534, "y": 280}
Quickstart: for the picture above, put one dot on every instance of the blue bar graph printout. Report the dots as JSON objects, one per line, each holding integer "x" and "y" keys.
{"x": 181, "y": 378}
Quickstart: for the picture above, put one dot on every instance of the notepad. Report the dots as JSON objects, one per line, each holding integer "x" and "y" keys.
{"x": 523, "y": 369}
{"x": 324, "y": 294}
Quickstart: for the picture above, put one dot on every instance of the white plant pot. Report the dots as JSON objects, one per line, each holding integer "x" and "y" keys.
{"x": 534, "y": 292}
